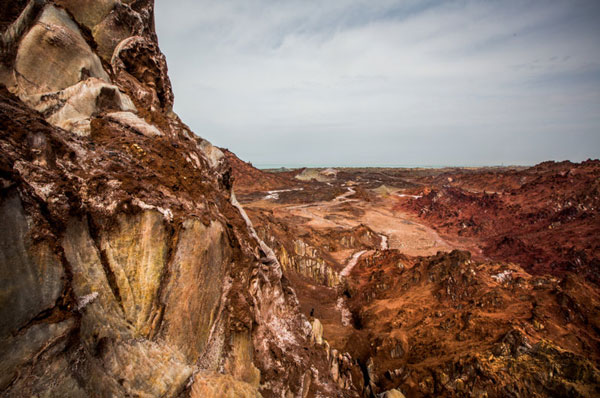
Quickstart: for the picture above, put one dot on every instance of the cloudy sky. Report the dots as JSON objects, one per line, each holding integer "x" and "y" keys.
{"x": 381, "y": 82}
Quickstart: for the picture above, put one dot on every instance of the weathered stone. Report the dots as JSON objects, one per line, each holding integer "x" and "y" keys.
{"x": 102, "y": 318}
{"x": 394, "y": 393}
{"x": 145, "y": 368}
{"x": 316, "y": 334}
{"x": 136, "y": 252}
{"x": 459, "y": 384}
{"x": 306, "y": 260}
{"x": 88, "y": 12}
{"x": 24, "y": 267}
{"x": 443, "y": 378}
{"x": 195, "y": 285}
{"x": 11, "y": 35}
{"x": 371, "y": 375}
{"x": 57, "y": 40}
{"x": 240, "y": 364}
{"x": 141, "y": 69}
{"x": 335, "y": 368}
{"x": 56, "y": 364}
{"x": 213, "y": 385}
{"x": 398, "y": 345}
{"x": 15, "y": 351}
{"x": 72, "y": 108}
{"x": 306, "y": 381}
{"x": 131, "y": 121}
{"x": 121, "y": 23}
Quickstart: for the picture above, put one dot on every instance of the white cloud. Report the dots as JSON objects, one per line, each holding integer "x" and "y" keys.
{"x": 387, "y": 82}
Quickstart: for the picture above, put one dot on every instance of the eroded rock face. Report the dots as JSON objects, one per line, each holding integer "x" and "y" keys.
{"x": 27, "y": 266}
{"x": 72, "y": 108}
{"x": 56, "y": 39}
{"x": 127, "y": 266}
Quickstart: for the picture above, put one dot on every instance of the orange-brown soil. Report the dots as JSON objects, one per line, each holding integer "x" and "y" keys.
{"x": 545, "y": 218}
{"x": 451, "y": 282}
{"x": 444, "y": 325}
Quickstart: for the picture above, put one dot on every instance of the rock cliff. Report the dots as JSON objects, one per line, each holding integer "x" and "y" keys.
{"x": 127, "y": 267}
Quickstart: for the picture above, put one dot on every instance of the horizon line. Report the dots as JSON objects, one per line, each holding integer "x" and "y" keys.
{"x": 269, "y": 166}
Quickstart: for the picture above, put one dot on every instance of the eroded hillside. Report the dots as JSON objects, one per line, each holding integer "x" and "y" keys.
{"x": 411, "y": 276}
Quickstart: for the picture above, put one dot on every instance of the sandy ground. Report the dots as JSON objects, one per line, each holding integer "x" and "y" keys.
{"x": 400, "y": 229}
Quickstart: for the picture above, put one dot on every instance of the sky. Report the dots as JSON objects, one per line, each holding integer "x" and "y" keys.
{"x": 387, "y": 83}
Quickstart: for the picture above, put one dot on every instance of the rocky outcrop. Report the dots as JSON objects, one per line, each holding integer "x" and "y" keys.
{"x": 342, "y": 368}
{"x": 393, "y": 393}
{"x": 309, "y": 255}
{"x": 447, "y": 325}
{"x": 514, "y": 214}
{"x": 127, "y": 266}
{"x": 306, "y": 260}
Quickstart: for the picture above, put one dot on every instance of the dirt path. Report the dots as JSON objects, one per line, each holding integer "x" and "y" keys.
{"x": 341, "y": 304}
{"x": 340, "y": 199}
{"x": 384, "y": 242}
{"x": 398, "y": 230}
{"x": 351, "y": 263}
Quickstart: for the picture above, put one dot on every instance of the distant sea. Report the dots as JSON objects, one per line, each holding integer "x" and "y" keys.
{"x": 390, "y": 166}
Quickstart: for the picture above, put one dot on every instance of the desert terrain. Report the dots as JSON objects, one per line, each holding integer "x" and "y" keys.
{"x": 139, "y": 260}
{"x": 442, "y": 282}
